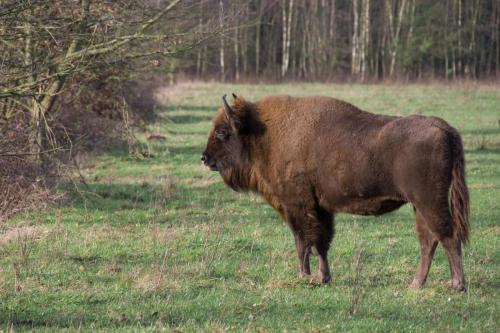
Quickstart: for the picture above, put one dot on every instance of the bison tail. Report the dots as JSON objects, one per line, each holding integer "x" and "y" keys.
{"x": 459, "y": 197}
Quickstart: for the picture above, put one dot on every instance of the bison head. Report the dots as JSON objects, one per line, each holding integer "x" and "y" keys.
{"x": 224, "y": 144}
{"x": 227, "y": 148}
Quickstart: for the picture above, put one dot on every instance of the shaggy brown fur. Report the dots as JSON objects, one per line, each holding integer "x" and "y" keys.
{"x": 313, "y": 157}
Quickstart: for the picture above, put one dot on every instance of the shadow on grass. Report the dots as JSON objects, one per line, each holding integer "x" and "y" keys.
{"x": 486, "y": 158}
{"x": 483, "y": 151}
{"x": 113, "y": 196}
{"x": 191, "y": 151}
{"x": 189, "y": 119}
{"x": 165, "y": 194}
{"x": 190, "y": 107}
{"x": 481, "y": 131}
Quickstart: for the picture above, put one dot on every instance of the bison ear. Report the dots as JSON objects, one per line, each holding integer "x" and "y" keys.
{"x": 231, "y": 115}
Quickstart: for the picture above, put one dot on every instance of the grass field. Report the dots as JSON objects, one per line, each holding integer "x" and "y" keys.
{"x": 158, "y": 243}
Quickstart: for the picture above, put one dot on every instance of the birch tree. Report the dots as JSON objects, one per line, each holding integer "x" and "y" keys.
{"x": 287, "y": 33}
{"x": 394, "y": 31}
{"x": 221, "y": 49}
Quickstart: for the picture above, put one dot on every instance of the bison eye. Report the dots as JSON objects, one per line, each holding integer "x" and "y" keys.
{"x": 221, "y": 134}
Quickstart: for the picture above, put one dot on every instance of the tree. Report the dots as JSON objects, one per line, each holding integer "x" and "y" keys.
{"x": 47, "y": 45}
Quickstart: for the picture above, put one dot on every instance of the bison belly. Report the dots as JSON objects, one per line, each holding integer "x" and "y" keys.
{"x": 365, "y": 206}
{"x": 373, "y": 206}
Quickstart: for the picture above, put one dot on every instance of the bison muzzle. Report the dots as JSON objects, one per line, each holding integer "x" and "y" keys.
{"x": 313, "y": 157}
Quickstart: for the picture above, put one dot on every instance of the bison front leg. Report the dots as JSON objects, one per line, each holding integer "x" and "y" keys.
{"x": 303, "y": 252}
{"x": 311, "y": 227}
{"x": 297, "y": 223}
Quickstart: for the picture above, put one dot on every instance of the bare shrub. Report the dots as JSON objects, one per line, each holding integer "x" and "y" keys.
{"x": 356, "y": 292}
{"x": 21, "y": 181}
{"x": 80, "y": 86}
{"x": 100, "y": 109}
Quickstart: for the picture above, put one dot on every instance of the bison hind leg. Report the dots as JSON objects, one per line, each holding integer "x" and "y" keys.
{"x": 428, "y": 243}
{"x": 436, "y": 224}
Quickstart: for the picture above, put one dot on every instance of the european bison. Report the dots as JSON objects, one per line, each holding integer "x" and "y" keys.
{"x": 313, "y": 157}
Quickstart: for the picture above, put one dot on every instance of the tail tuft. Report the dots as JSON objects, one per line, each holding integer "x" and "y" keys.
{"x": 459, "y": 197}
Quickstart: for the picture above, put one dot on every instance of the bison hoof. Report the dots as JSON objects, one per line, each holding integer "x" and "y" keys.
{"x": 304, "y": 274}
{"x": 325, "y": 279}
{"x": 416, "y": 284}
{"x": 459, "y": 286}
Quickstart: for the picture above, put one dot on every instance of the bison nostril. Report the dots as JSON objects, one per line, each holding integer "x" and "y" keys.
{"x": 203, "y": 158}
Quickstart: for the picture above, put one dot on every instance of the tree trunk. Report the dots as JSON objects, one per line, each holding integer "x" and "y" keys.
{"x": 200, "y": 50}
{"x": 459, "y": 21}
{"x": 257, "y": 39}
{"x": 204, "y": 61}
{"x": 395, "y": 37}
{"x": 472, "y": 64}
{"x": 244, "y": 51}
{"x": 331, "y": 36}
{"x": 497, "y": 40}
{"x": 287, "y": 27}
{"x": 409, "y": 39}
{"x": 236, "y": 55}
{"x": 365, "y": 38}
{"x": 355, "y": 40}
{"x": 43, "y": 106}
{"x": 221, "y": 49}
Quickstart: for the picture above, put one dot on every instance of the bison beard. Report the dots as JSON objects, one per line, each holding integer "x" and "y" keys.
{"x": 313, "y": 157}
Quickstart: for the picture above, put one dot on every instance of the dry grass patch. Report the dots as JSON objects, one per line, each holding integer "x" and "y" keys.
{"x": 112, "y": 267}
{"x": 201, "y": 181}
{"x": 163, "y": 234}
{"x": 155, "y": 280}
{"x": 166, "y": 187}
{"x": 181, "y": 91}
{"x": 99, "y": 232}
{"x": 23, "y": 233}
{"x": 484, "y": 186}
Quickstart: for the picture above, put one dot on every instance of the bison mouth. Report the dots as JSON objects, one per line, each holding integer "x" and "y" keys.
{"x": 208, "y": 162}
{"x": 213, "y": 167}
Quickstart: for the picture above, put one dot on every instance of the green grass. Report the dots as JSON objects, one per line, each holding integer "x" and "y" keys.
{"x": 159, "y": 243}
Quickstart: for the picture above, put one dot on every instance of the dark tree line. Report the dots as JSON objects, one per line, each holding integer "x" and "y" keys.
{"x": 358, "y": 39}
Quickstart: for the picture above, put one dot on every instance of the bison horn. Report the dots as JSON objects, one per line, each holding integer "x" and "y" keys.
{"x": 229, "y": 111}
{"x": 231, "y": 115}
{"x": 234, "y": 96}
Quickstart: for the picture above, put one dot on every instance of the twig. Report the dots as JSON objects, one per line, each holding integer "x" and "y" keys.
{"x": 7, "y": 154}
{"x": 356, "y": 288}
